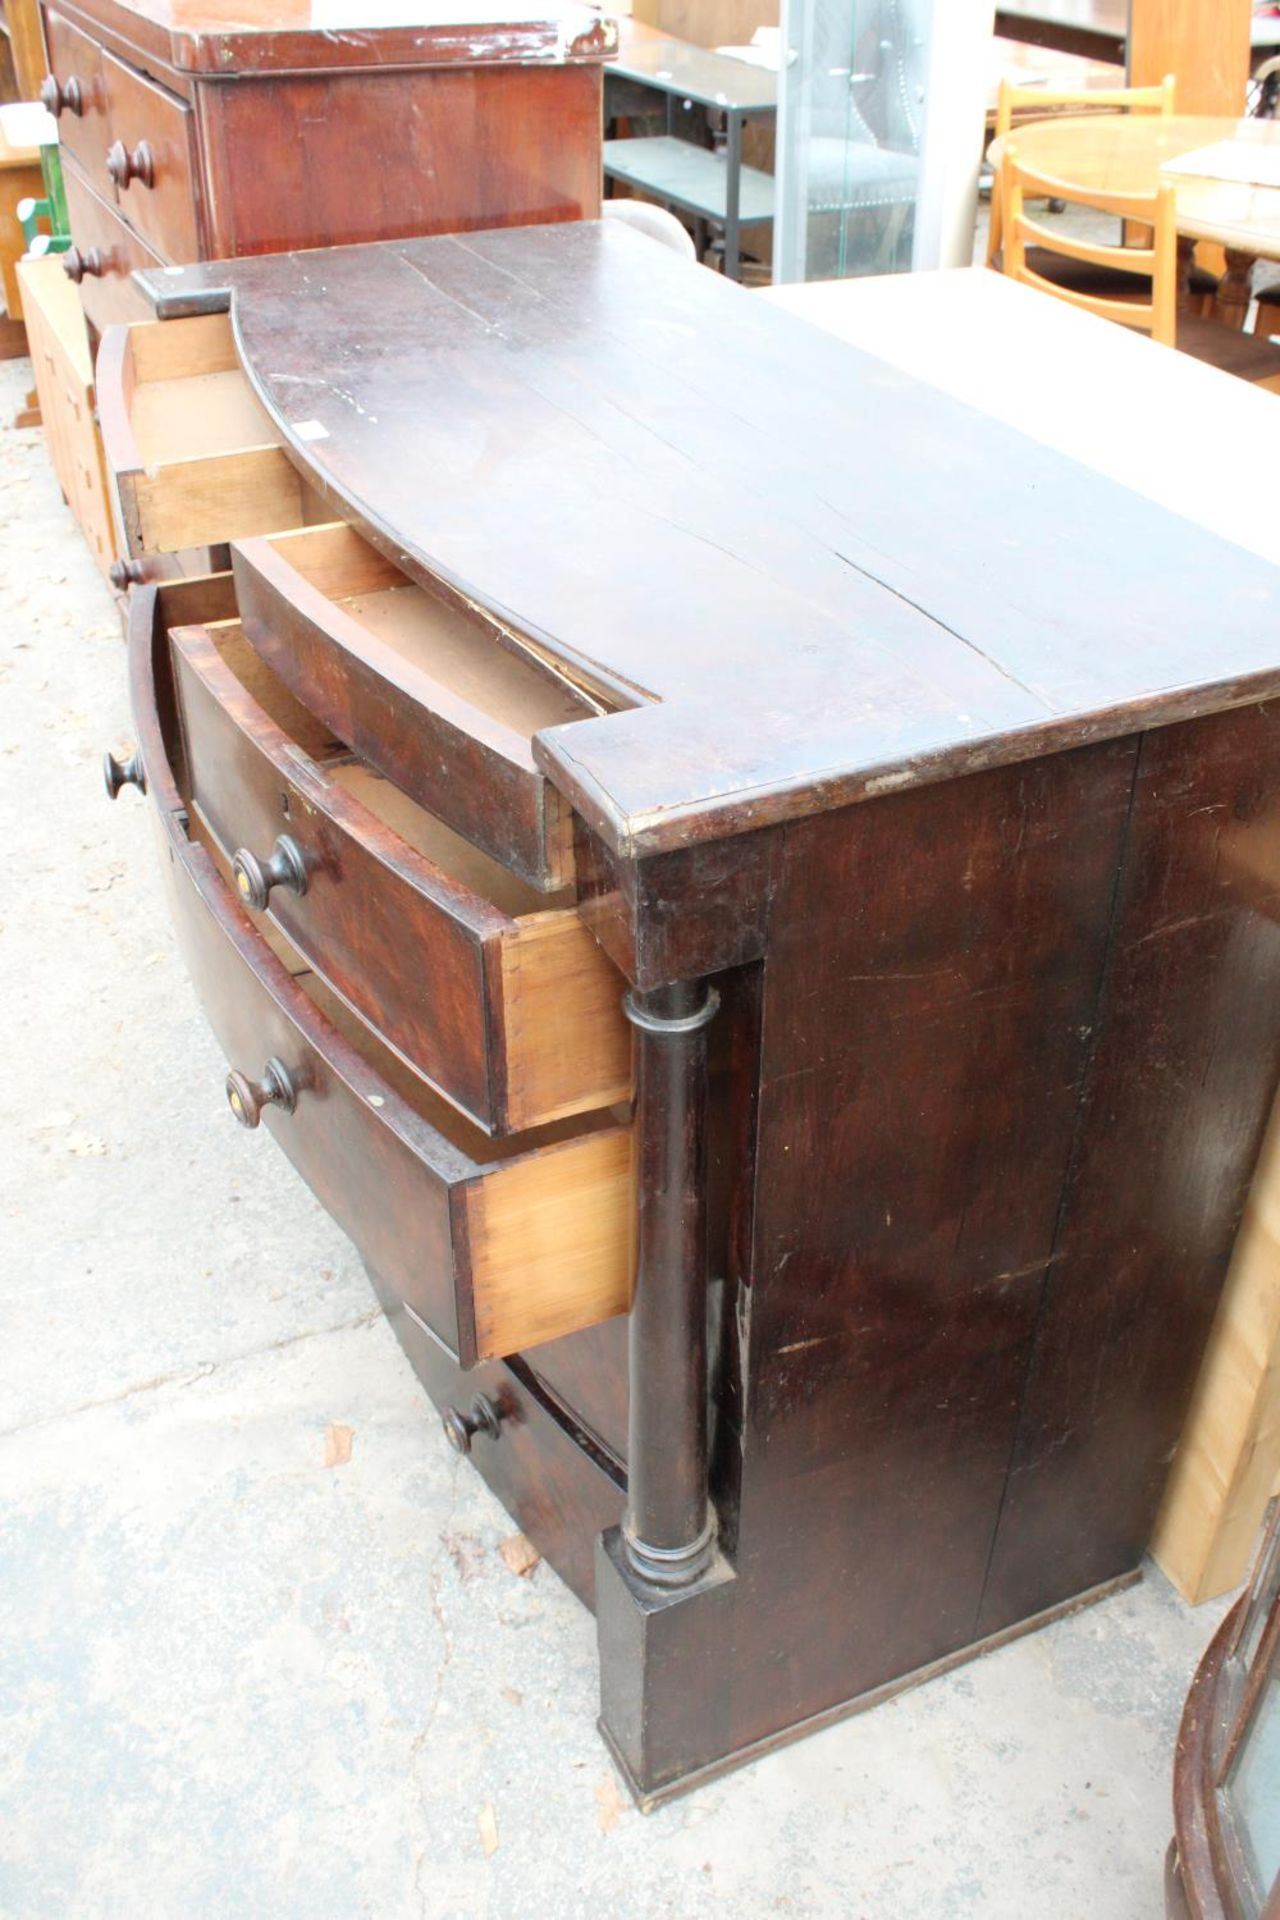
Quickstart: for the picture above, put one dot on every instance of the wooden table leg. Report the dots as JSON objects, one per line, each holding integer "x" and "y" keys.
{"x": 1235, "y": 289}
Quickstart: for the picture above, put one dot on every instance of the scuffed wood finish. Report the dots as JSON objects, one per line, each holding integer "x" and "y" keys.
{"x": 975, "y": 838}
{"x": 406, "y": 1187}
{"x": 1183, "y": 1066}
{"x": 235, "y": 37}
{"x": 558, "y": 1486}
{"x": 163, "y": 207}
{"x": 397, "y": 1169}
{"x": 426, "y": 690}
{"x": 587, "y": 1372}
{"x": 260, "y": 129}
{"x": 400, "y": 153}
{"x": 912, "y": 1146}
{"x": 579, "y": 392}
{"x": 75, "y": 57}
{"x": 514, "y": 1013}
{"x": 195, "y": 458}
{"x": 114, "y": 253}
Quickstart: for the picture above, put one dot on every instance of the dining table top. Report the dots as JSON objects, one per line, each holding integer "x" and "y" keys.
{"x": 1129, "y": 154}
{"x": 1103, "y": 395}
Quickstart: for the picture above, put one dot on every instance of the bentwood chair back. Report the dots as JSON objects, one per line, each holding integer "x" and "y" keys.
{"x": 1155, "y": 266}
{"x": 1042, "y": 103}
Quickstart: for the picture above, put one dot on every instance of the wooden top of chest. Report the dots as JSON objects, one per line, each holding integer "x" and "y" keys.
{"x": 805, "y": 576}
{"x": 223, "y": 38}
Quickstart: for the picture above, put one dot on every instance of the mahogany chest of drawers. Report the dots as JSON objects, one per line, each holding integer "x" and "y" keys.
{"x": 752, "y": 892}
{"x": 210, "y": 131}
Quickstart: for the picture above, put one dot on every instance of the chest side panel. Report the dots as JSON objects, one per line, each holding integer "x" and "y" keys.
{"x": 930, "y": 990}
{"x": 1181, "y": 1077}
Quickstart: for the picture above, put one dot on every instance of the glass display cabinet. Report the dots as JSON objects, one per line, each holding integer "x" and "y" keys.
{"x": 1224, "y": 1861}
{"x": 881, "y": 112}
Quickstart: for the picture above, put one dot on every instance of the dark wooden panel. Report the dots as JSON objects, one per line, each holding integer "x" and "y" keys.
{"x": 654, "y": 475}
{"x": 107, "y": 292}
{"x": 1179, "y": 1089}
{"x": 560, "y": 1491}
{"x": 76, "y": 59}
{"x": 372, "y": 156}
{"x": 928, "y": 995}
{"x": 234, "y": 37}
{"x": 480, "y": 780}
{"x": 152, "y": 610}
{"x": 387, "y": 930}
{"x": 587, "y": 1372}
{"x": 143, "y": 113}
{"x": 364, "y": 1155}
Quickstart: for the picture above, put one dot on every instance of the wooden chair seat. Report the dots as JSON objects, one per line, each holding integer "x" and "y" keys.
{"x": 1268, "y": 320}
{"x": 1244, "y": 354}
{"x": 1107, "y": 283}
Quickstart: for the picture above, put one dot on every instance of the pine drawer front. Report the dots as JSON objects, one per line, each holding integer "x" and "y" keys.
{"x": 195, "y": 458}
{"x": 492, "y": 1255}
{"x": 110, "y": 252}
{"x": 151, "y": 161}
{"x": 511, "y": 1011}
{"x": 84, "y": 121}
{"x": 436, "y": 696}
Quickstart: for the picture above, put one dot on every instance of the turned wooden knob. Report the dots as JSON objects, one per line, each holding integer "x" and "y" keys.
{"x": 77, "y": 265}
{"x": 124, "y": 166}
{"x": 126, "y": 573}
{"x": 58, "y": 97}
{"x": 460, "y": 1429}
{"x": 123, "y": 773}
{"x": 285, "y": 866}
{"x": 247, "y": 1098}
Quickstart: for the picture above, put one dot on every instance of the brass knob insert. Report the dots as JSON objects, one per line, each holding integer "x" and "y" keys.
{"x": 460, "y": 1429}
{"x": 123, "y": 773}
{"x": 248, "y": 1098}
{"x": 286, "y": 866}
{"x": 59, "y": 97}
{"x": 124, "y": 166}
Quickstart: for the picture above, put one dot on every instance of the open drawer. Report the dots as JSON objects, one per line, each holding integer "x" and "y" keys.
{"x": 195, "y": 457}
{"x": 506, "y": 1005}
{"x": 494, "y": 1247}
{"x": 433, "y": 693}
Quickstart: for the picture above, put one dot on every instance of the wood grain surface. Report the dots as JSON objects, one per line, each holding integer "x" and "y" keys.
{"x": 545, "y": 394}
{"x": 232, "y": 37}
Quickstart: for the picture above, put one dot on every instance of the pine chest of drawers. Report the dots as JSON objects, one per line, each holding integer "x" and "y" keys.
{"x": 752, "y": 892}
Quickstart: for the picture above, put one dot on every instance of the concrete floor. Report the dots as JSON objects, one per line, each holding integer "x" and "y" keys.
{"x": 234, "y": 1681}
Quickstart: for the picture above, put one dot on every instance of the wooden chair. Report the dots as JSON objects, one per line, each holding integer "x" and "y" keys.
{"x": 1155, "y": 266}
{"x": 1041, "y": 103}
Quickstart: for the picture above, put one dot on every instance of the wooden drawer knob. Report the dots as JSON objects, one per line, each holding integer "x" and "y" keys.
{"x": 124, "y": 574}
{"x": 58, "y": 97}
{"x": 247, "y": 1098}
{"x": 77, "y": 265}
{"x": 124, "y": 166}
{"x": 285, "y": 867}
{"x": 460, "y": 1429}
{"x": 123, "y": 773}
